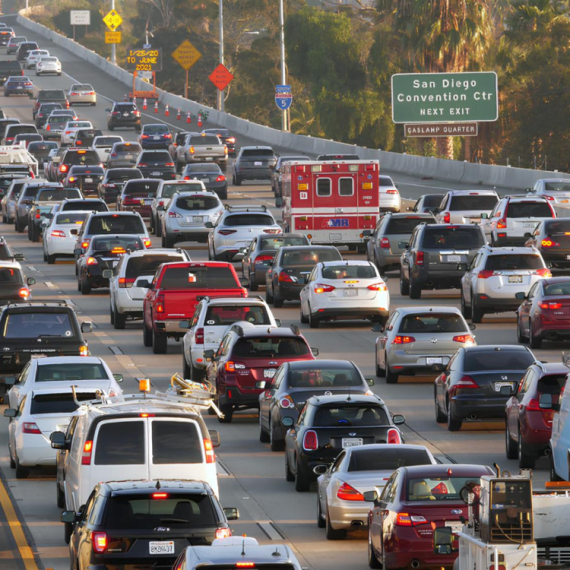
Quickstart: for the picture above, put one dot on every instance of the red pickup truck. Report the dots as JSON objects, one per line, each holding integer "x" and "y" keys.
{"x": 174, "y": 293}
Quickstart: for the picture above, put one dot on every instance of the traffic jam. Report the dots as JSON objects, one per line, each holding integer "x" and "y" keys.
{"x": 145, "y": 220}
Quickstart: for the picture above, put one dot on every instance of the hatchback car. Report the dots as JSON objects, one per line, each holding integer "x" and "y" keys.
{"x": 253, "y": 163}
{"x": 23, "y": 49}
{"x": 13, "y": 285}
{"x": 123, "y": 155}
{"x": 48, "y": 64}
{"x": 390, "y": 200}
{"x": 556, "y": 191}
{"x": 544, "y": 312}
{"x": 60, "y": 234}
{"x": 137, "y": 195}
{"x": 156, "y": 164}
{"x": 210, "y": 174}
{"x": 466, "y": 206}
{"x": 235, "y": 229}
{"x": 18, "y": 85}
{"x": 82, "y": 93}
{"x": 495, "y": 276}
{"x": 83, "y": 205}
{"x": 123, "y": 115}
{"x": 420, "y": 340}
{"x": 186, "y": 215}
{"x": 552, "y": 239}
{"x": 155, "y": 136}
{"x": 428, "y": 204}
{"x": 10, "y": 200}
{"x": 18, "y": 129}
{"x": 113, "y": 181}
{"x": 290, "y": 269}
{"x": 6, "y": 34}
{"x": 344, "y": 290}
{"x": 86, "y": 178}
{"x": 477, "y": 383}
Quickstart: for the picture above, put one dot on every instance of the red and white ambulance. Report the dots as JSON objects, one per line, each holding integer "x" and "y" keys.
{"x": 331, "y": 202}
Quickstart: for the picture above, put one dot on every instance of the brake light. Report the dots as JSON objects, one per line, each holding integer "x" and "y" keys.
{"x": 485, "y": 274}
{"x": 147, "y": 242}
{"x": 31, "y": 427}
{"x": 283, "y": 276}
{"x": 84, "y": 350}
{"x": 403, "y": 340}
{"x": 321, "y": 288}
{"x": 502, "y": 224}
{"x": 91, "y": 261}
{"x": 142, "y": 165}
{"x": 392, "y": 192}
{"x": 199, "y": 336}
{"x": 231, "y": 140}
{"x": 378, "y": 287}
{"x": 209, "y": 449}
{"x": 466, "y": 382}
{"x": 63, "y": 168}
{"x": 546, "y": 243}
{"x": 347, "y": 493}
{"x": 67, "y": 104}
{"x": 160, "y": 495}
{"x": 113, "y": 154}
{"x": 286, "y": 402}
{"x": 446, "y": 218}
{"x": 464, "y": 338}
{"x": 87, "y": 450}
{"x": 38, "y": 216}
{"x": 169, "y": 164}
{"x": 24, "y": 292}
{"x": 191, "y": 150}
{"x": 125, "y": 283}
{"x": 48, "y": 128}
{"x": 551, "y": 306}
{"x": 261, "y": 258}
{"x": 543, "y": 272}
{"x": 420, "y": 258}
{"x": 310, "y": 441}
{"x": 85, "y": 244}
{"x": 549, "y": 197}
{"x": 224, "y": 232}
{"x": 393, "y": 436}
{"x": 230, "y": 366}
{"x": 223, "y": 533}
{"x": 220, "y": 178}
{"x": 405, "y": 519}
{"x": 144, "y": 136}
{"x": 173, "y": 214}
{"x": 533, "y": 405}
{"x": 385, "y": 243}
{"x": 225, "y": 149}
{"x": 99, "y": 541}
{"x": 168, "y": 136}
{"x": 160, "y": 304}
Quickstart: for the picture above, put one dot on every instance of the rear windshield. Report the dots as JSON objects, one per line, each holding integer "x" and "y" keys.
{"x": 386, "y": 459}
{"x": 36, "y": 325}
{"x": 309, "y": 256}
{"x": 106, "y": 141}
{"x": 131, "y": 148}
{"x": 58, "y": 403}
{"x": 85, "y": 87}
{"x": 57, "y": 194}
{"x": 155, "y": 129}
{"x": 46, "y": 94}
{"x": 86, "y": 206}
{"x": 14, "y": 130}
{"x": 551, "y": 384}
{"x": 349, "y": 272}
{"x": 529, "y": 210}
{"x": 196, "y": 203}
{"x": 279, "y": 242}
{"x": 168, "y": 190}
{"x": 478, "y": 203}
{"x": 325, "y": 378}
{"x": 476, "y": 361}
{"x": 557, "y": 186}
{"x": 351, "y": 415}
{"x": 155, "y": 157}
{"x": 176, "y": 510}
{"x": 438, "y": 488}
{"x": 248, "y": 219}
{"x": 75, "y": 371}
{"x": 385, "y": 181}
{"x": 270, "y": 347}
{"x": 10, "y": 275}
{"x": 58, "y": 119}
{"x": 116, "y": 224}
{"x": 406, "y": 225}
{"x": 205, "y": 140}
{"x": 147, "y": 264}
{"x": 166, "y": 438}
{"x": 205, "y": 277}
{"x": 453, "y": 237}
{"x": 147, "y": 188}
{"x": 41, "y": 145}
{"x": 514, "y": 261}
{"x": 432, "y": 323}
{"x": 557, "y": 227}
{"x": 557, "y": 289}
{"x": 265, "y": 153}
{"x": 121, "y": 443}
{"x": 83, "y": 157}
{"x": 227, "y": 315}
{"x": 189, "y": 169}
{"x": 258, "y": 565}
{"x": 117, "y": 244}
{"x": 128, "y": 174}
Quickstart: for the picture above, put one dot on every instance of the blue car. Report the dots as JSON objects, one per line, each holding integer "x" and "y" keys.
{"x": 156, "y": 136}
{"x": 18, "y": 85}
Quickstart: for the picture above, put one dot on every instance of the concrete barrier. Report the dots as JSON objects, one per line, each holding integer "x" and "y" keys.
{"x": 419, "y": 166}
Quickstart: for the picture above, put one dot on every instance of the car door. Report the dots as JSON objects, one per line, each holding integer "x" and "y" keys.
{"x": 443, "y": 381}
{"x": 80, "y": 541}
{"x": 246, "y": 264}
{"x": 331, "y": 483}
{"x": 305, "y": 294}
{"x": 405, "y": 261}
{"x": 512, "y": 407}
{"x": 377, "y": 512}
{"x": 469, "y": 279}
{"x": 269, "y": 399}
{"x": 382, "y": 340}
{"x": 19, "y": 389}
{"x": 525, "y": 309}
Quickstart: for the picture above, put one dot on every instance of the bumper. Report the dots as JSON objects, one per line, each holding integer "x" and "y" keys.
{"x": 254, "y": 173}
{"x": 498, "y": 304}
{"x": 188, "y": 234}
{"x": 509, "y": 240}
{"x": 477, "y": 408}
{"x": 389, "y": 261}
{"x": 353, "y": 313}
{"x": 401, "y": 551}
{"x": 54, "y": 248}
{"x": 170, "y": 327}
{"x": 126, "y": 305}
{"x": 97, "y": 281}
{"x": 343, "y": 514}
{"x": 32, "y": 453}
{"x": 240, "y": 397}
{"x": 258, "y": 274}
{"x": 161, "y": 174}
{"x": 553, "y": 330}
{"x": 144, "y": 211}
{"x": 289, "y": 291}
{"x": 89, "y": 100}
{"x": 444, "y": 279}
{"x": 412, "y": 364}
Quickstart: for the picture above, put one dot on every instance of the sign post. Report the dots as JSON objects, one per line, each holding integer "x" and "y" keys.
{"x": 186, "y": 55}
{"x": 79, "y": 18}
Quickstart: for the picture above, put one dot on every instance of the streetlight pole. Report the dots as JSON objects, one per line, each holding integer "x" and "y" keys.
{"x": 285, "y": 112}
{"x": 221, "y": 55}
{"x": 113, "y": 46}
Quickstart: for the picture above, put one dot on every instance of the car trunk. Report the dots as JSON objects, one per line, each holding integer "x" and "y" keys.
{"x": 11, "y": 292}
{"x": 437, "y": 515}
{"x": 301, "y": 395}
{"x": 180, "y": 304}
{"x": 558, "y": 309}
{"x": 364, "y": 481}
{"x": 298, "y": 272}
{"x": 332, "y": 440}
{"x": 106, "y": 259}
{"x": 352, "y": 289}
{"x": 423, "y": 343}
{"x": 258, "y": 369}
{"x": 491, "y": 382}
{"x": 20, "y": 351}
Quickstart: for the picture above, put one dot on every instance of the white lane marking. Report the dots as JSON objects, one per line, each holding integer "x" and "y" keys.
{"x": 32, "y": 268}
{"x": 269, "y": 530}
{"x": 51, "y": 285}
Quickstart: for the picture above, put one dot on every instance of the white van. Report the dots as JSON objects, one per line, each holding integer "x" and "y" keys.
{"x": 139, "y": 438}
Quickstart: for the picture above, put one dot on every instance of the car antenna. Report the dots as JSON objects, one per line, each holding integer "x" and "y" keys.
{"x": 243, "y": 547}
{"x": 276, "y": 551}
{"x": 158, "y": 485}
{"x": 348, "y": 398}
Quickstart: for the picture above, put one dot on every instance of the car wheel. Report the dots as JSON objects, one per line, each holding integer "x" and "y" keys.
{"x": 526, "y": 461}
{"x": 197, "y": 374}
{"x": 147, "y": 335}
{"x": 120, "y": 319}
{"x": 17, "y": 225}
{"x": 85, "y": 287}
{"x": 320, "y": 519}
{"x": 288, "y": 474}
{"x": 45, "y": 256}
{"x": 112, "y": 314}
{"x": 452, "y": 425}
{"x": 158, "y": 230}
{"x": 465, "y": 311}
{"x": 21, "y": 472}
{"x": 59, "y": 497}
{"x": 373, "y": 561}
{"x": 380, "y": 372}
{"x": 511, "y": 447}
{"x": 534, "y": 341}
{"x": 277, "y": 300}
{"x": 415, "y": 289}
{"x": 404, "y": 285}
{"x": 111, "y": 127}
{"x": 391, "y": 377}
{"x": 159, "y": 343}
{"x": 35, "y": 234}
{"x": 263, "y": 435}
{"x": 302, "y": 479}
{"x": 313, "y": 321}
{"x": 12, "y": 462}
{"x": 169, "y": 241}
{"x": 67, "y": 531}
{"x": 253, "y": 286}
{"x": 440, "y": 417}
{"x": 477, "y": 313}
{"x": 268, "y": 296}
{"x": 276, "y": 444}
{"x": 304, "y": 320}
{"x": 185, "y": 368}
{"x": 331, "y": 533}
{"x": 228, "y": 414}
{"x": 520, "y": 337}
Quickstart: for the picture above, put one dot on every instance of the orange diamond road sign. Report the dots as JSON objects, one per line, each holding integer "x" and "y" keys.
{"x": 186, "y": 55}
{"x": 221, "y": 77}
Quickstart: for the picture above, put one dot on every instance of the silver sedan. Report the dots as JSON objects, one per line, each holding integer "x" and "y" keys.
{"x": 341, "y": 487}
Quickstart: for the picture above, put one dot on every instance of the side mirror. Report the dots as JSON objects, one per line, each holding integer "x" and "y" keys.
{"x": 443, "y": 540}
{"x": 462, "y": 267}
{"x": 10, "y": 413}
{"x": 472, "y": 327}
{"x": 370, "y": 496}
{"x": 68, "y": 517}
{"x": 287, "y": 421}
{"x": 209, "y": 355}
{"x": 403, "y": 244}
{"x": 86, "y": 327}
{"x": 232, "y": 514}
{"x": 208, "y": 225}
{"x": 10, "y": 380}
{"x": 184, "y": 324}
{"x": 366, "y": 233}
{"x": 320, "y": 469}
{"x": 520, "y": 295}
{"x": 214, "y": 437}
{"x": 118, "y": 377}
{"x": 484, "y": 216}
{"x": 261, "y": 385}
{"x": 315, "y": 351}
{"x": 370, "y": 381}
{"x": 398, "y": 419}
{"x": 30, "y": 281}
{"x": 57, "y": 439}
{"x": 107, "y": 273}
{"x": 278, "y": 322}
{"x": 144, "y": 283}
{"x": 244, "y": 281}
{"x": 544, "y": 402}
{"x": 377, "y": 327}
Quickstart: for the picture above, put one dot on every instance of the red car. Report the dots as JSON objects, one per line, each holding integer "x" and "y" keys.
{"x": 414, "y": 501}
{"x": 544, "y": 313}
{"x": 137, "y": 196}
{"x": 531, "y": 410}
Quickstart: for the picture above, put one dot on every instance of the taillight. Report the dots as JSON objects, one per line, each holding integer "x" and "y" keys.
{"x": 31, "y": 427}
{"x": 286, "y": 402}
{"x": 310, "y": 441}
{"x": 63, "y": 168}
{"x": 403, "y": 339}
{"x": 142, "y": 164}
{"x": 230, "y": 366}
{"x": 173, "y": 214}
{"x": 466, "y": 382}
{"x": 378, "y": 287}
{"x": 224, "y": 232}
{"x": 546, "y": 243}
{"x": 220, "y": 178}
{"x": 99, "y": 541}
{"x": 125, "y": 283}
{"x": 272, "y": 231}
{"x": 485, "y": 274}
{"x": 543, "y": 272}
{"x": 534, "y": 405}
{"x": 393, "y": 436}
{"x": 83, "y": 350}
{"x": 550, "y": 306}
{"x": 446, "y": 218}
{"x": 24, "y": 292}
{"x": 549, "y": 197}
{"x": 38, "y": 216}
{"x": 322, "y": 288}
{"x": 199, "y": 336}
{"x": 91, "y": 261}
{"x": 464, "y": 338}
{"x": 385, "y": 243}
{"x": 147, "y": 242}
{"x": 160, "y": 304}
{"x": 262, "y": 258}
{"x": 144, "y": 136}
{"x": 347, "y": 493}
{"x": 85, "y": 244}
{"x": 391, "y": 192}
{"x": 231, "y": 140}
{"x": 283, "y": 276}
{"x": 420, "y": 258}
{"x": 502, "y": 224}
{"x": 169, "y": 164}
{"x": 209, "y": 449}
{"x": 87, "y": 450}
{"x": 191, "y": 150}
{"x": 405, "y": 519}
{"x": 223, "y": 532}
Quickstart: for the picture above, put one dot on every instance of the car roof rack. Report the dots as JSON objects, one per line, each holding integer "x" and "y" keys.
{"x": 38, "y": 303}
{"x": 260, "y": 208}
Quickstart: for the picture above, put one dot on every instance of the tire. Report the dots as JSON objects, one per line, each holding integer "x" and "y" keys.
{"x": 263, "y": 435}
{"x": 476, "y": 312}
{"x": 511, "y": 447}
{"x": 17, "y": 225}
{"x": 415, "y": 289}
{"x": 67, "y": 532}
{"x": 253, "y": 286}
{"x": 185, "y": 368}
{"x": 380, "y": 372}
{"x": 520, "y": 337}
{"x": 373, "y": 562}
{"x": 228, "y": 412}
{"x": 85, "y": 287}
{"x": 268, "y": 296}
{"x": 168, "y": 241}
{"x": 526, "y": 461}
{"x": 196, "y": 374}
{"x": 34, "y": 234}
{"x": 331, "y": 533}
{"x": 276, "y": 445}
{"x": 147, "y": 335}
{"x": 391, "y": 377}
{"x": 302, "y": 480}
{"x": 158, "y": 230}
{"x": 533, "y": 341}
{"x": 465, "y": 311}
{"x": 440, "y": 417}
{"x": 112, "y": 314}
{"x": 110, "y": 127}
{"x": 288, "y": 474}
{"x": 321, "y": 523}
{"x": 119, "y": 320}
{"x": 59, "y": 497}
{"x": 159, "y": 343}
{"x": 452, "y": 425}
{"x": 304, "y": 320}
{"x": 404, "y": 285}
{"x": 313, "y": 322}
{"x": 12, "y": 462}
{"x": 237, "y": 180}
{"x": 4, "y": 219}
{"x": 21, "y": 472}
{"x": 277, "y": 300}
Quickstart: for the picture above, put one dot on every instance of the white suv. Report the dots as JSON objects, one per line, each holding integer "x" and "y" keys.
{"x": 466, "y": 206}
{"x": 496, "y": 275}
{"x": 556, "y": 191}
{"x": 126, "y": 295}
{"x": 211, "y": 321}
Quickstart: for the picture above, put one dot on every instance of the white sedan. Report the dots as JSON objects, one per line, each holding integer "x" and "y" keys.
{"x": 48, "y": 64}
{"x": 62, "y": 372}
{"x": 60, "y": 234}
{"x": 390, "y": 200}
{"x": 350, "y": 290}
{"x": 72, "y": 127}
{"x": 34, "y": 56}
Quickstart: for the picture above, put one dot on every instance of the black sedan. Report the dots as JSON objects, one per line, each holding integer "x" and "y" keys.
{"x": 294, "y": 383}
{"x": 114, "y": 180}
{"x": 156, "y": 164}
{"x": 210, "y": 174}
{"x": 329, "y": 424}
{"x": 552, "y": 238}
{"x": 103, "y": 253}
{"x": 478, "y": 381}
{"x": 86, "y": 178}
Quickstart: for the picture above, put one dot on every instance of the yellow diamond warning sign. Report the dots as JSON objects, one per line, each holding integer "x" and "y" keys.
{"x": 113, "y": 20}
{"x": 186, "y": 55}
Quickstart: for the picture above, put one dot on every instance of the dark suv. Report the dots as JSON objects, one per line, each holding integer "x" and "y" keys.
{"x": 50, "y": 96}
{"x": 254, "y": 163}
{"x": 124, "y": 115}
{"x": 123, "y": 523}
{"x": 77, "y": 157}
{"x": 435, "y": 255}
{"x": 114, "y": 180}
{"x": 156, "y": 164}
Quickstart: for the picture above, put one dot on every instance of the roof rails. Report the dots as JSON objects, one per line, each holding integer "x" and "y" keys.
{"x": 38, "y": 302}
{"x": 246, "y": 208}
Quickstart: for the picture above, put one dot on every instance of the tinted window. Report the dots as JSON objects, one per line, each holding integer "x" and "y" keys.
{"x": 46, "y": 94}
{"x": 324, "y": 378}
{"x": 106, "y": 141}
{"x": 56, "y": 194}
{"x": 265, "y": 153}
{"x": 84, "y": 157}
{"x": 351, "y": 415}
{"x": 479, "y": 203}
{"x": 14, "y": 130}
{"x": 198, "y": 278}
{"x": 202, "y": 168}
{"x": 131, "y": 148}
{"x": 249, "y": 219}
{"x": 514, "y": 261}
{"x": 551, "y": 384}
{"x": 161, "y": 157}
{"x": 130, "y": 174}
{"x": 57, "y": 119}
{"x": 308, "y": 256}
{"x": 349, "y": 272}
{"x": 323, "y": 187}
{"x": 116, "y": 224}
{"x": 557, "y": 186}
{"x": 385, "y": 181}
{"x": 147, "y": 188}
{"x": 405, "y": 225}
{"x": 86, "y": 206}
{"x": 227, "y": 315}
{"x": 58, "y": 403}
{"x": 529, "y": 210}
{"x": 35, "y": 325}
{"x": 432, "y": 323}
{"x": 155, "y": 129}
{"x": 386, "y": 459}
{"x": 10, "y": 275}
{"x": 117, "y": 244}
{"x": 437, "y": 488}
{"x": 454, "y": 237}
{"x": 120, "y": 443}
{"x": 270, "y": 347}
{"x": 147, "y": 265}
{"x": 168, "y": 190}
{"x": 196, "y": 203}
{"x": 278, "y": 242}
{"x": 497, "y": 360}
{"x": 557, "y": 289}
{"x": 63, "y": 372}
{"x": 166, "y": 438}
{"x": 206, "y": 140}
{"x": 557, "y": 227}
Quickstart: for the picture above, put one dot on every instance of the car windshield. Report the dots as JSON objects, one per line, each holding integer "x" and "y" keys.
{"x": 58, "y": 403}
{"x": 438, "y": 488}
{"x": 529, "y": 210}
{"x": 56, "y": 194}
{"x": 406, "y": 226}
{"x": 362, "y": 414}
{"x": 249, "y": 219}
{"x": 332, "y": 377}
{"x": 453, "y": 237}
{"x": 476, "y": 202}
{"x": 10, "y": 275}
{"x": 561, "y": 186}
{"x": 168, "y": 190}
{"x": 308, "y": 256}
{"x": 205, "y": 140}
{"x": 278, "y": 242}
{"x": 212, "y": 277}
{"x": 71, "y": 371}
{"x": 124, "y": 175}
{"x": 270, "y": 347}
{"x": 116, "y": 224}
{"x": 147, "y": 264}
{"x": 130, "y": 148}
{"x": 480, "y": 361}
{"x": 386, "y": 459}
{"x": 196, "y": 203}
{"x": 432, "y": 323}
{"x": 117, "y": 244}
{"x": 349, "y": 272}
{"x": 83, "y": 157}
{"x": 385, "y": 181}
{"x": 514, "y": 261}
{"x": 35, "y": 325}
{"x": 106, "y": 141}
{"x": 226, "y": 315}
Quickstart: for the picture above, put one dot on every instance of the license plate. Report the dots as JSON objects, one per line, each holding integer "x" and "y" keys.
{"x": 434, "y": 360}
{"x": 19, "y": 87}
{"x": 350, "y": 293}
{"x": 475, "y": 220}
{"x": 258, "y": 164}
{"x": 529, "y": 225}
{"x": 209, "y": 158}
{"x": 499, "y": 385}
{"x": 156, "y": 138}
{"x": 269, "y": 373}
{"x": 155, "y": 173}
{"x": 454, "y": 526}
{"x": 453, "y": 258}
{"x": 564, "y": 201}
{"x": 162, "y": 547}
{"x": 129, "y": 156}
{"x": 125, "y": 114}
{"x": 335, "y": 237}
{"x": 197, "y": 218}
{"x": 148, "y": 200}
{"x": 515, "y": 278}
{"x": 89, "y": 180}
{"x": 351, "y": 442}
{"x": 205, "y": 179}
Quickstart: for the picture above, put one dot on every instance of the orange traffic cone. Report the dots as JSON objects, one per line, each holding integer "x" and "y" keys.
{"x": 144, "y": 104}
{"x": 167, "y": 111}
{"x": 199, "y": 119}
{"x": 156, "y": 106}
{"x": 188, "y": 117}
{"x": 179, "y": 115}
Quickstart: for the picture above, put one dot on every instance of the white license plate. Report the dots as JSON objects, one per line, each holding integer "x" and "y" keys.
{"x": 129, "y": 156}
{"x": 258, "y": 164}
{"x": 89, "y": 180}
{"x": 475, "y": 220}
{"x": 148, "y": 200}
{"x": 197, "y": 218}
{"x": 155, "y": 173}
{"x": 499, "y": 385}
{"x": 335, "y": 236}
{"x": 454, "y": 526}
{"x": 205, "y": 180}
{"x": 125, "y": 114}
{"x": 567, "y": 257}
{"x": 434, "y": 360}
{"x": 350, "y": 293}
{"x": 453, "y": 258}
{"x": 162, "y": 547}
{"x": 515, "y": 278}
{"x": 351, "y": 442}
{"x": 209, "y": 158}
{"x": 564, "y": 201}
{"x": 269, "y": 373}
{"x": 156, "y": 138}
{"x": 529, "y": 225}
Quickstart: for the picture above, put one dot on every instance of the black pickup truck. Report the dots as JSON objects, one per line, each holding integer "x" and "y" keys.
{"x": 9, "y": 68}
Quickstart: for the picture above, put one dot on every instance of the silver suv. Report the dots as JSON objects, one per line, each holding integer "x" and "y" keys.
{"x": 466, "y": 206}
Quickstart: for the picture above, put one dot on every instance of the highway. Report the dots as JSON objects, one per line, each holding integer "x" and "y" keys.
{"x": 251, "y": 476}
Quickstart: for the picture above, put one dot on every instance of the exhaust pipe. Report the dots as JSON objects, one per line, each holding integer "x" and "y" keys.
{"x": 547, "y": 452}
{"x": 356, "y": 524}
{"x": 473, "y": 417}
{"x": 415, "y": 564}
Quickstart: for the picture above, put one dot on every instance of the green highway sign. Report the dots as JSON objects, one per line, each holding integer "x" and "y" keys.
{"x": 445, "y": 97}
